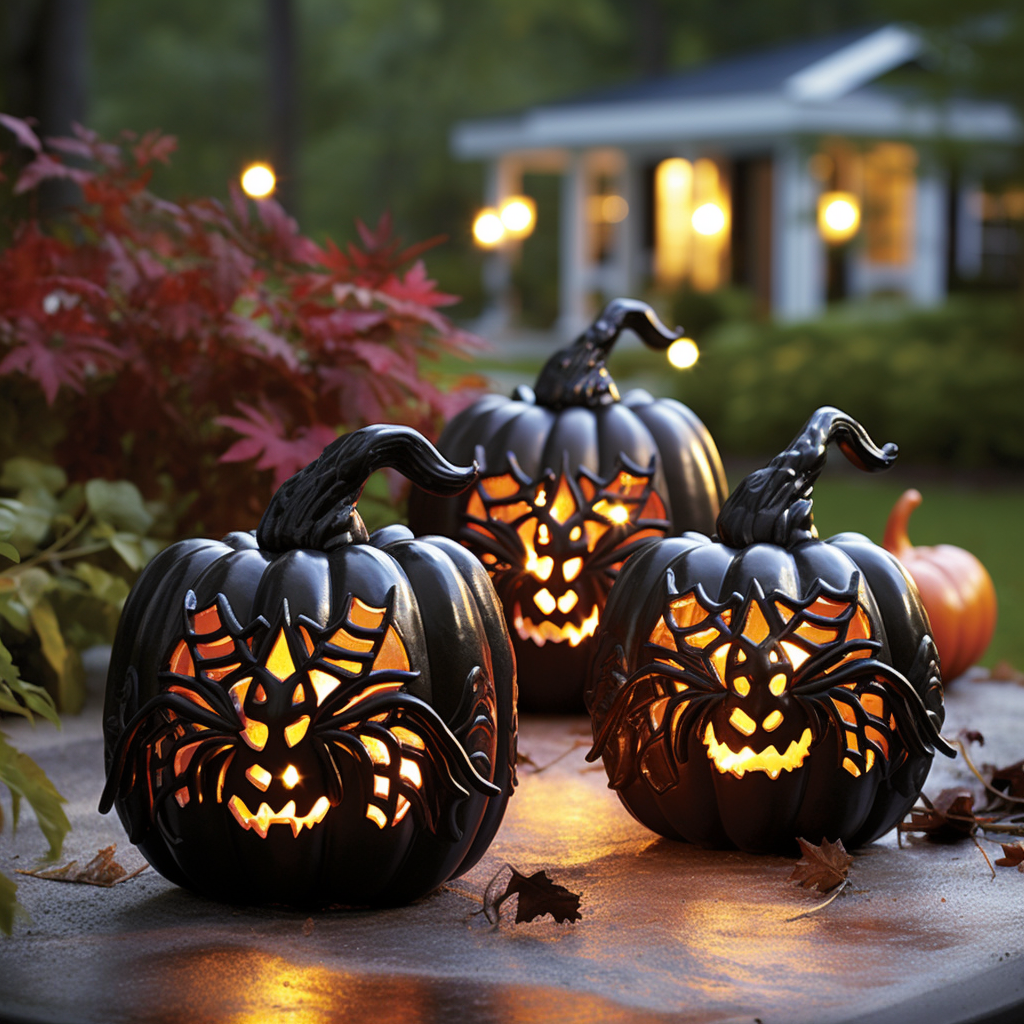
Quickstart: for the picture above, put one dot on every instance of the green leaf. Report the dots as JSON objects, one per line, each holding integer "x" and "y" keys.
{"x": 12, "y": 609}
{"x": 118, "y": 503}
{"x": 32, "y": 698}
{"x": 10, "y": 908}
{"x": 25, "y": 779}
{"x": 22, "y": 473}
{"x": 103, "y": 585}
{"x": 65, "y": 661}
{"x": 23, "y": 526}
{"x": 9, "y": 551}
{"x": 131, "y": 549}
{"x": 32, "y": 584}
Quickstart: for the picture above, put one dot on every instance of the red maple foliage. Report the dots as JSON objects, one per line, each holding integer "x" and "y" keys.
{"x": 204, "y": 348}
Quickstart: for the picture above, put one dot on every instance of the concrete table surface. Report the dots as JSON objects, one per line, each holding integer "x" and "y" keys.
{"x": 669, "y": 932}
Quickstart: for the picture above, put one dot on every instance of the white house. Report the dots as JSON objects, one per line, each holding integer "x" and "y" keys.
{"x": 724, "y": 175}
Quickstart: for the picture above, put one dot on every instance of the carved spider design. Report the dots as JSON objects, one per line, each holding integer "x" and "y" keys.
{"x": 554, "y": 546}
{"x": 760, "y": 681}
{"x": 265, "y": 722}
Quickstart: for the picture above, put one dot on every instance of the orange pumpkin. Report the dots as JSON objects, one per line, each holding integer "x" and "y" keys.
{"x": 956, "y": 590}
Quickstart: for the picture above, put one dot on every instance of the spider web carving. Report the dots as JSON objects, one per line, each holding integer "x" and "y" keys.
{"x": 823, "y": 658}
{"x": 352, "y": 676}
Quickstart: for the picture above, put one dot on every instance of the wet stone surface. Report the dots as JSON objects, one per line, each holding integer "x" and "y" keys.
{"x": 669, "y": 932}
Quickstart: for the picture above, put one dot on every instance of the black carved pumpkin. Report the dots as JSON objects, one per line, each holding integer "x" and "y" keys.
{"x": 765, "y": 684}
{"x": 574, "y": 479}
{"x": 312, "y": 715}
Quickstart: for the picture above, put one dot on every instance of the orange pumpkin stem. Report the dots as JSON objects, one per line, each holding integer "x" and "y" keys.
{"x": 895, "y": 539}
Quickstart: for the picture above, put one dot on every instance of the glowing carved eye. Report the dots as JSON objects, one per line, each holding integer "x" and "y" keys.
{"x": 742, "y": 722}
{"x": 294, "y": 732}
{"x": 260, "y": 695}
{"x": 772, "y": 722}
{"x": 544, "y": 600}
{"x": 575, "y": 533}
{"x": 777, "y": 685}
{"x": 290, "y": 777}
{"x": 259, "y": 777}
{"x": 741, "y": 685}
{"x": 572, "y": 568}
{"x": 299, "y": 694}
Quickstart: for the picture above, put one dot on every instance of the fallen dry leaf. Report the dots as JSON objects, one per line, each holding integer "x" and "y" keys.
{"x": 102, "y": 870}
{"x": 1009, "y": 780}
{"x": 307, "y": 926}
{"x": 1013, "y": 856}
{"x": 946, "y": 819}
{"x": 537, "y": 896}
{"x": 822, "y": 867}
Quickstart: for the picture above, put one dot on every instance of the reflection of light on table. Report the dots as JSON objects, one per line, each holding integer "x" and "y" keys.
{"x": 246, "y": 986}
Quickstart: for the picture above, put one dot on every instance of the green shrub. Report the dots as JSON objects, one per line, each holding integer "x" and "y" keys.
{"x": 946, "y": 385}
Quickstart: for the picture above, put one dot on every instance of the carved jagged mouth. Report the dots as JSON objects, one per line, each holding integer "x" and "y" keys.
{"x": 769, "y": 760}
{"x": 261, "y": 820}
{"x": 545, "y": 631}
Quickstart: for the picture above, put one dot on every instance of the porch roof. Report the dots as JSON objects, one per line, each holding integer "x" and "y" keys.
{"x": 821, "y": 87}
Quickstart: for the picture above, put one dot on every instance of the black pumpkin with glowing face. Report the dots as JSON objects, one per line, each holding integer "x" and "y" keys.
{"x": 574, "y": 479}
{"x": 764, "y": 684}
{"x": 312, "y": 715}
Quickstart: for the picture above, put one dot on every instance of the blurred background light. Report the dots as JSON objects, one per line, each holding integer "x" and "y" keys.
{"x": 258, "y": 181}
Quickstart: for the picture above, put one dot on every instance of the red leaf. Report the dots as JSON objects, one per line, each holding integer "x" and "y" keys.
{"x": 263, "y": 439}
{"x": 264, "y": 342}
{"x": 22, "y": 132}
{"x": 43, "y": 168}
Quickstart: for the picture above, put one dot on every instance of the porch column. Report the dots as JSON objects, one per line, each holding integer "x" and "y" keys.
{"x": 574, "y": 312}
{"x": 927, "y": 285}
{"x": 504, "y": 176}
{"x": 798, "y": 253}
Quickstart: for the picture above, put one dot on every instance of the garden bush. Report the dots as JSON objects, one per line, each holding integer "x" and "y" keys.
{"x": 945, "y": 384}
{"x": 203, "y": 350}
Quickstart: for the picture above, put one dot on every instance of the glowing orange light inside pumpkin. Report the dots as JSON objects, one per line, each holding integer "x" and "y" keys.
{"x": 259, "y": 776}
{"x": 294, "y": 732}
{"x": 742, "y": 722}
{"x": 261, "y": 820}
{"x": 769, "y": 760}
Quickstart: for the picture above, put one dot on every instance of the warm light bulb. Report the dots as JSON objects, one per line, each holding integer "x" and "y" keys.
{"x": 488, "y": 229}
{"x": 290, "y": 777}
{"x": 258, "y": 181}
{"x": 708, "y": 219}
{"x": 614, "y": 209}
{"x": 683, "y": 353}
{"x": 838, "y": 216}
{"x": 518, "y": 215}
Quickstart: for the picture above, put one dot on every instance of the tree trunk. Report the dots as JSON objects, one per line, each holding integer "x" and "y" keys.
{"x": 283, "y": 107}
{"x": 47, "y": 75}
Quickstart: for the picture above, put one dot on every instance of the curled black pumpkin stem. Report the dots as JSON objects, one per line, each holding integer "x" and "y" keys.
{"x": 316, "y": 508}
{"x": 577, "y": 375}
{"x": 773, "y": 505}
